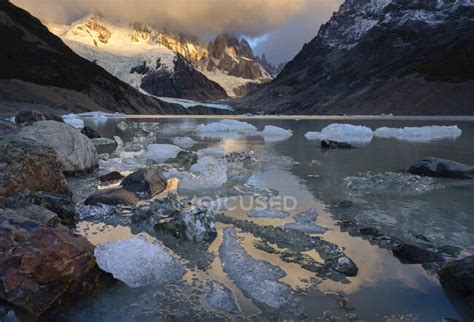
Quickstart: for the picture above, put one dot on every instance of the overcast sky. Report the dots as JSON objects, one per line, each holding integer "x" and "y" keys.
{"x": 278, "y": 27}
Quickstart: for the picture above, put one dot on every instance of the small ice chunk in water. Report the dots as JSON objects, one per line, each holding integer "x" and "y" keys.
{"x": 220, "y": 297}
{"x": 225, "y": 127}
{"x": 137, "y": 262}
{"x": 184, "y": 142}
{"x": 420, "y": 134}
{"x": 343, "y": 133}
{"x": 317, "y": 136}
{"x": 266, "y": 213}
{"x": 258, "y": 279}
{"x": 73, "y": 120}
{"x": 305, "y": 222}
{"x": 213, "y": 151}
{"x": 274, "y": 134}
{"x": 161, "y": 152}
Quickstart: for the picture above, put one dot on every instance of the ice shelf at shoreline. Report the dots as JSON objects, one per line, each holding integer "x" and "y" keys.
{"x": 420, "y": 134}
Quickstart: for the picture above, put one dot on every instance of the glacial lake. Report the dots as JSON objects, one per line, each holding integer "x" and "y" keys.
{"x": 372, "y": 182}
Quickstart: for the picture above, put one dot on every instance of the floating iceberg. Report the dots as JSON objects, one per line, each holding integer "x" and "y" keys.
{"x": 226, "y": 128}
{"x": 214, "y": 151}
{"x": 73, "y": 120}
{"x": 266, "y": 213}
{"x": 258, "y": 279}
{"x": 161, "y": 152}
{"x": 184, "y": 142}
{"x": 420, "y": 134}
{"x": 274, "y": 134}
{"x": 343, "y": 133}
{"x": 137, "y": 262}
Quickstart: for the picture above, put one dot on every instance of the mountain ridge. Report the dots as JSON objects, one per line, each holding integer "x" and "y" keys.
{"x": 380, "y": 56}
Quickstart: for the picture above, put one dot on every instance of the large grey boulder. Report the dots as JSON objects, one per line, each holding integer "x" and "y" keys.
{"x": 436, "y": 167}
{"x": 75, "y": 151}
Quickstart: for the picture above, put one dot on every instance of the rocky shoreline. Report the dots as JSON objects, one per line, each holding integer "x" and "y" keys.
{"x": 44, "y": 263}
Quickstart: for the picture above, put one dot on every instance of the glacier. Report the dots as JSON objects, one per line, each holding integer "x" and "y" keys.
{"x": 137, "y": 262}
{"x": 420, "y": 134}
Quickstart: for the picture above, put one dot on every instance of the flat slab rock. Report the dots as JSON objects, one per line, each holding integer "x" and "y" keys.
{"x": 436, "y": 167}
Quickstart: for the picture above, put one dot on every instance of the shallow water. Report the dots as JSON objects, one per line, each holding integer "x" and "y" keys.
{"x": 371, "y": 176}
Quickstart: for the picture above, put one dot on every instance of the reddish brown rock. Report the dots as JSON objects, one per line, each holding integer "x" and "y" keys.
{"x": 42, "y": 264}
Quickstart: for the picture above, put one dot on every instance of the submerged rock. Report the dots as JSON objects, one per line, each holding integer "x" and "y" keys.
{"x": 145, "y": 183}
{"x": 75, "y": 151}
{"x": 111, "y": 176}
{"x": 459, "y": 275}
{"x": 90, "y": 133}
{"x": 42, "y": 264}
{"x": 436, "y": 167}
{"x": 220, "y": 297}
{"x": 104, "y": 145}
{"x": 296, "y": 242}
{"x": 416, "y": 255}
{"x": 112, "y": 197}
{"x": 29, "y": 166}
{"x": 329, "y": 144}
{"x": 137, "y": 262}
{"x": 267, "y": 213}
{"x": 257, "y": 279}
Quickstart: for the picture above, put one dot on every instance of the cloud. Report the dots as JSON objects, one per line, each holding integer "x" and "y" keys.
{"x": 199, "y": 17}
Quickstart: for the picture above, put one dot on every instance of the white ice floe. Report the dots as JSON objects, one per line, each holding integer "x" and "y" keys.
{"x": 184, "y": 142}
{"x": 73, "y": 120}
{"x": 207, "y": 173}
{"x": 343, "y": 133}
{"x": 161, "y": 152}
{"x": 226, "y": 128}
{"x": 258, "y": 279}
{"x": 137, "y": 262}
{"x": 420, "y": 134}
{"x": 274, "y": 134}
{"x": 213, "y": 151}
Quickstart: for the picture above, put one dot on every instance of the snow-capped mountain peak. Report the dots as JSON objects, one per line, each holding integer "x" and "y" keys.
{"x": 125, "y": 47}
